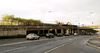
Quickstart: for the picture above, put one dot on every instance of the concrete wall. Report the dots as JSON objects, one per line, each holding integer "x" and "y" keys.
{"x": 12, "y": 32}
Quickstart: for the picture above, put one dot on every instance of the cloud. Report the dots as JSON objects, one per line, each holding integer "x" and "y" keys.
{"x": 74, "y": 11}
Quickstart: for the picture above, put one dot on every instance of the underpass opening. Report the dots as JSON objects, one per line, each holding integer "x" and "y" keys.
{"x": 58, "y": 30}
{"x": 45, "y": 32}
{"x": 52, "y": 31}
{"x": 33, "y": 31}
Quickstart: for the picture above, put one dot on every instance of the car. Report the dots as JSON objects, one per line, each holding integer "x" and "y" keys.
{"x": 59, "y": 35}
{"x": 32, "y": 36}
{"x": 49, "y": 35}
{"x": 75, "y": 34}
{"x": 67, "y": 34}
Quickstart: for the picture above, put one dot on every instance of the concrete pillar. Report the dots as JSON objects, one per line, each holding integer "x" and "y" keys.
{"x": 72, "y": 31}
{"x": 62, "y": 32}
{"x": 48, "y": 31}
{"x": 43, "y": 32}
{"x": 78, "y": 31}
{"x": 38, "y": 31}
{"x": 67, "y": 31}
{"x": 55, "y": 31}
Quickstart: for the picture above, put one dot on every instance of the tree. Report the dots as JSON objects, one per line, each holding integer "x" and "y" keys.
{"x": 12, "y": 20}
{"x": 8, "y": 19}
{"x": 69, "y": 23}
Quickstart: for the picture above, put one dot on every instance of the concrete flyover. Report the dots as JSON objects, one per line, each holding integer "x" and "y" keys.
{"x": 8, "y": 30}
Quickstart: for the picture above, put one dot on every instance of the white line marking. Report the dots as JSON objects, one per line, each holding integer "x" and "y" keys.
{"x": 15, "y": 43}
{"x": 21, "y": 42}
{"x": 54, "y": 48}
{"x": 70, "y": 39}
{"x": 89, "y": 44}
{"x": 12, "y": 49}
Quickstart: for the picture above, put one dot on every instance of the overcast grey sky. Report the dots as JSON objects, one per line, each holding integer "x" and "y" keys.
{"x": 74, "y": 11}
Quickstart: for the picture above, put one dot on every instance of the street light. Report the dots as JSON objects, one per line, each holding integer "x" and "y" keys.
{"x": 92, "y": 13}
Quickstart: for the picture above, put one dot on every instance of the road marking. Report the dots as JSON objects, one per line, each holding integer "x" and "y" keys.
{"x": 96, "y": 41}
{"x": 89, "y": 44}
{"x": 85, "y": 41}
{"x": 54, "y": 48}
{"x": 70, "y": 39}
{"x": 12, "y": 49}
{"x": 21, "y": 42}
{"x": 15, "y": 43}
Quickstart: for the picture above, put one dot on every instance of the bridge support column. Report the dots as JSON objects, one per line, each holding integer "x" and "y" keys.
{"x": 62, "y": 32}
{"x": 67, "y": 32}
{"x": 55, "y": 31}
{"x": 72, "y": 31}
{"x": 38, "y": 31}
{"x": 78, "y": 31}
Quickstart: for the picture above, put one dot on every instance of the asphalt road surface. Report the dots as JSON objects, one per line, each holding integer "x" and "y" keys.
{"x": 69, "y": 44}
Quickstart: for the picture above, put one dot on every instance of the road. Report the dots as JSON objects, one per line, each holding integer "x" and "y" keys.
{"x": 68, "y": 44}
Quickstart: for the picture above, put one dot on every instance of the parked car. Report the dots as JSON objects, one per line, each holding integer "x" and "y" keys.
{"x": 32, "y": 36}
{"x": 59, "y": 35}
{"x": 66, "y": 34}
{"x": 75, "y": 34}
{"x": 49, "y": 35}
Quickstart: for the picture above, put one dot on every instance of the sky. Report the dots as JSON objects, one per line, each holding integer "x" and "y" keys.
{"x": 78, "y": 12}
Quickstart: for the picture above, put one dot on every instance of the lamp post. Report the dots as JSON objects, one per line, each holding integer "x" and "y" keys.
{"x": 92, "y": 13}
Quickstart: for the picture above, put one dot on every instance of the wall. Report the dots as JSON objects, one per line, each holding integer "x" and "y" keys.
{"x": 12, "y": 32}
